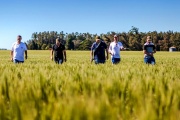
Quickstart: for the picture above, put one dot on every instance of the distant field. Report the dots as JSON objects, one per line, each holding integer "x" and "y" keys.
{"x": 78, "y": 90}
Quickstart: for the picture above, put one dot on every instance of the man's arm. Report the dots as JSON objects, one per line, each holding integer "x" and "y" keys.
{"x": 154, "y": 49}
{"x": 150, "y": 54}
{"x": 107, "y": 54}
{"x": 121, "y": 46}
{"x": 26, "y": 54}
{"x": 11, "y": 53}
{"x": 92, "y": 54}
{"x": 107, "y": 51}
{"x": 65, "y": 59}
{"x": 110, "y": 49}
{"x": 51, "y": 54}
{"x": 144, "y": 50}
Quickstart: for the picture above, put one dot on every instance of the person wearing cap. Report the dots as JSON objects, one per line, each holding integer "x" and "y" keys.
{"x": 149, "y": 50}
{"x": 18, "y": 50}
{"x": 98, "y": 49}
{"x": 114, "y": 50}
{"x": 59, "y": 52}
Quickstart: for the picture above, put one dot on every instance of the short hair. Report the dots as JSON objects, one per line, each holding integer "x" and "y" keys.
{"x": 98, "y": 37}
{"x": 57, "y": 40}
{"x": 115, "y": 36}
{"x": 148, "y": 37}
{"x": 19, "y": 36}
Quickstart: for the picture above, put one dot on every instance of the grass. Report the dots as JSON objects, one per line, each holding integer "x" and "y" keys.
{"x": 39, "y": 89}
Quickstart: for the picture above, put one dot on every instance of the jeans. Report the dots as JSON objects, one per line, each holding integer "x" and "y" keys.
{"x": 98, "y": 61}
{"x": 115, "y": 60}
{"x": 17, "y": 61}
{"x": 58, "y": 60}
{"x": 149, "y": 60}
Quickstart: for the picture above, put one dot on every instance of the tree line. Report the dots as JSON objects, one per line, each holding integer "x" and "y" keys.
{"x": 132, "y": 40}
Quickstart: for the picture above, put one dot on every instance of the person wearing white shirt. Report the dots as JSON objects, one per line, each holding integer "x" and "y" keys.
{"x": 18, "y": 50}
{"x": 114, "y": 50}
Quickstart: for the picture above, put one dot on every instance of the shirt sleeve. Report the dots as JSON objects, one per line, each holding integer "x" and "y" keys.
{"x": 120, "y": 44}
{"x": 110, "y": 47}
{"x": 92, "y": 47}
{"x": 144, "y": 47}
{"x": 12, "y": 49}
{"x": 25, "y": 47}
{"x": 63, "y": 47}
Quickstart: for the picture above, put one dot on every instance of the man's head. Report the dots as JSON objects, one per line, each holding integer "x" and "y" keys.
{"x": 148, "y": 39}
{"x": 19, "y": 38}
{"x": 115, "y": 38}
{"x": 58, "y": 41}
{"x": 98, "y": 39}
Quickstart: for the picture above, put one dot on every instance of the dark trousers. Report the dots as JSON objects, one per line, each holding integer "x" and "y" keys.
{"x": 58, "y": 60}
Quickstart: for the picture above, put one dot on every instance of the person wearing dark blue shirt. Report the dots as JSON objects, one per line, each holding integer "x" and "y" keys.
{"x": 149, "y": 50}
{"x": 59, "y": 52}
{"x": 98, "y": 49}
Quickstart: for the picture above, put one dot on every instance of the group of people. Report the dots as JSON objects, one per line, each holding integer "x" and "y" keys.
{"x": 99, "y": 48}
{"x": 99, "y": 51}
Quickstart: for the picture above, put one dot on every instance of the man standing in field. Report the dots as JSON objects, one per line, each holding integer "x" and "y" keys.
{"x": 18, "y": 50}
{"x": 59, "y": 52}
{"x": 114, "y": 50}
{"x": 149, "y": 50}
{"x": 98, "y": 49}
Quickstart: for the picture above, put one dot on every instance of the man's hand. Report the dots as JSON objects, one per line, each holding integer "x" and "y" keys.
{"x": 91, "y": 60}
{"x": 51, "y": 57}
{"x": 26, "y": 57}
{"x": 111, "y": 53}
{"x": 65, "y": 59}
{"x": 107, "y": 57}
{"x": 151, "y": 54}
{"x": 11, "y": 59}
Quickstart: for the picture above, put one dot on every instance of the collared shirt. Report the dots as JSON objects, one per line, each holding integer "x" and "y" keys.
{"x": 115, "y": 48}
{"x": 99, "y": 50}
{"x": 58, "y": 50}
{"x": 149, "y": 47}
{"x": 18, "y": 51}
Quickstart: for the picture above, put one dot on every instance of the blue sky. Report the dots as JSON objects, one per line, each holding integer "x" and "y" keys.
{"x": 25, "y": 17}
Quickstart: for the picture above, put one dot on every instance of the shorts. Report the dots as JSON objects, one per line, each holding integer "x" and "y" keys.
{"x": 149, "y": 60}
{"x": 115, "y": 60}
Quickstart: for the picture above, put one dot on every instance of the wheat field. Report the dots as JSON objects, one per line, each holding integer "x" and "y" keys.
{"x": 39, "y": 89}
